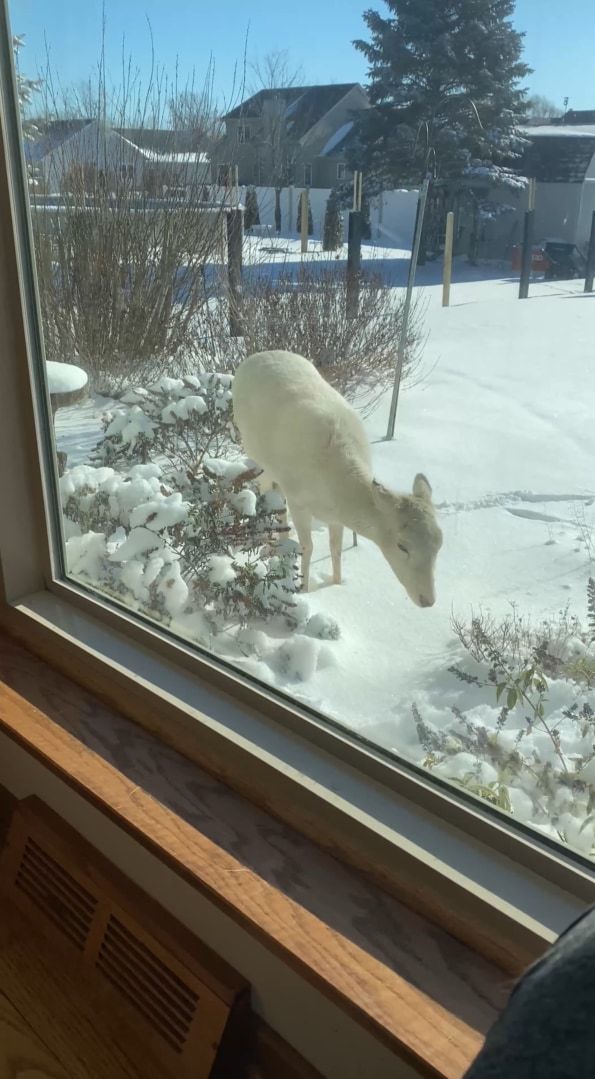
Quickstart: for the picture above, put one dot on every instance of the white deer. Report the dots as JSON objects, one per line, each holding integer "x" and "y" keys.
{"x": 312, "y": 445}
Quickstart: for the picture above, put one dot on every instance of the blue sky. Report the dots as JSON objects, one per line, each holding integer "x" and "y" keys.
{"x": 559, "y": 38}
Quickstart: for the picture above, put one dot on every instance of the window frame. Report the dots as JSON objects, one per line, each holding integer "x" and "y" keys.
{"x": 341, "y": 171}
{"x": 308, "y": 174}
{"x": 426, "y": 842}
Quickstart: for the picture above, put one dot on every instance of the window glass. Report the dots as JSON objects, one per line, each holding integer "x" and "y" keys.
{"x": 388, "y": 515}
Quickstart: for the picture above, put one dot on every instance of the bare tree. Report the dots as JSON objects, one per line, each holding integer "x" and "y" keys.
{"x": 275, "y": 73}
{"x": 540, "y": 107}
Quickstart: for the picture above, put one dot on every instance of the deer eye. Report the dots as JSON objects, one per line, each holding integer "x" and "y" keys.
{"x": 405, "y": 550}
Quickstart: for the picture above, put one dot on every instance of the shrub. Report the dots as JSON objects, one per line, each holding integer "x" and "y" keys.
{"x": 308, "y": 315}
{"x": 333, "y": 224}
{"x": 524, "y": 739}
{"x": 176, "y": 532}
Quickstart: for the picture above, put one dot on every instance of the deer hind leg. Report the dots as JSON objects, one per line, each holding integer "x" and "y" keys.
{"x": 302, "y": 521}
{"x": 336, "y": 542}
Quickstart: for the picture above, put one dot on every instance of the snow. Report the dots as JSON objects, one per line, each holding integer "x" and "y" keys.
{"x": 221, "y": 569}
{"x": 501, "y": 421}
{"x": 65, "y": 377}
{"x": 336, "y": 138}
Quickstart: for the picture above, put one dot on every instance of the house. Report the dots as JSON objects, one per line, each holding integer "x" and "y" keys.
{"x": 86, "y": 153}
{"x": 561, "y": 158}
{"x": 293, "y": 135}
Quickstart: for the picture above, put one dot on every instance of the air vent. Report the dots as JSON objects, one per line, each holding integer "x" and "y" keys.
{"x": 169, "y": 995}
{"x": 56, "y": 893}
{"x": 145, "y": 982}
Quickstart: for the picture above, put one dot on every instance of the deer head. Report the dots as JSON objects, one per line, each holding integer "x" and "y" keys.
{"x": 409, "y": 537}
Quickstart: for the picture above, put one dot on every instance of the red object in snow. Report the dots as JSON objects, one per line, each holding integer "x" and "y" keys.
{"x": 539, "y": 260}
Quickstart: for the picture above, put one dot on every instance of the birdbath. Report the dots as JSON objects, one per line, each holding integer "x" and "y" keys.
{"x": 67, "y": 385}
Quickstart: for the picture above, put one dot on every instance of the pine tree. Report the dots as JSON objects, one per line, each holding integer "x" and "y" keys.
{"x": 251, "y": 214}
{"x": 299, "y": 216}
{"x": 443, "y": 84}
{"x": 333, "y": 224}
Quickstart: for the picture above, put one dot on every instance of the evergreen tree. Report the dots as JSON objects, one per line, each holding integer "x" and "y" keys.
{"x": 443, "y": 84}
{"x": 299, "y": 216}
{"x": 332, "y": 238}
{"x": 251, "y": 213}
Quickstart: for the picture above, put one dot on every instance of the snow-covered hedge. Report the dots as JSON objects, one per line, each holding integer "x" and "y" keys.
{"x": 170, "y": 521}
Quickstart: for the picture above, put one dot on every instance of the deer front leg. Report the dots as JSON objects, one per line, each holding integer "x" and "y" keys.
{"x": 336, "y": 542}
{"x": 302, "y": 521}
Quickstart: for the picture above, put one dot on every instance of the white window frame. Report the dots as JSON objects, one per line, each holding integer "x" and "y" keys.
{"x": 308, "y": 175}
{"x": 493, "y": 883}
{"x": 341, "y": 170}
{"x": 244, "y": 133}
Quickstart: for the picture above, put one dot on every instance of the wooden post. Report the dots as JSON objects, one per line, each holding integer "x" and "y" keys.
{"x": 235, "y": 230}
{"x": 590, "y": 271}
{"x": 419, "y": 224}
{"x": 447, "y": 271}
{"x": 304, "y": 220}
{"x": 527, "y": 256}
{"x": 354, "y": 262}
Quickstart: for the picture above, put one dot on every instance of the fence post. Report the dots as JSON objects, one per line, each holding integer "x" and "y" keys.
{"x": 527, "y": 259}
{"x": 304, "y": 220}
{"x": 590, "y": 272}
{"x": 235, "y": 223}
{"x": 447, "y": 272}
{"x": 419, "y": 224}
{"x": 354, "y": 262}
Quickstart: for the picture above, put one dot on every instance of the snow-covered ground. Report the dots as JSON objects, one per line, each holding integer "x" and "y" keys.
{"x": 502, "y": 422}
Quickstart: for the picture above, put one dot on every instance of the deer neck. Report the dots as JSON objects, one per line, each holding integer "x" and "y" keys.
{"x": 357, "y": 507}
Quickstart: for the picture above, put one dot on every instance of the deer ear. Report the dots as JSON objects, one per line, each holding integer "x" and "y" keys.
{"x": 421, "y": 487}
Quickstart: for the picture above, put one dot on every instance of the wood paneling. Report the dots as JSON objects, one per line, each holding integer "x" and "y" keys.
{"x": 22, "y": 1055}
{"x": 56, "y": 1002}
{"x": 423, "y": 993}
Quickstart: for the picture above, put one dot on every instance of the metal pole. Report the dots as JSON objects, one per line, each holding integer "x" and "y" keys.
{"x": 447, "y": 272}
{"x": 421, "y": 209}
{"x": 234, "y": 269}
{"x": 304, "y": 221}
{"x": 527, "y": 259}
{"x": 590, "y": 272}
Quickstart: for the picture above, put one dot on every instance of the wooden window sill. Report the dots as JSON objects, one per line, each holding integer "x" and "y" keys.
{"x": 425, "y": 995}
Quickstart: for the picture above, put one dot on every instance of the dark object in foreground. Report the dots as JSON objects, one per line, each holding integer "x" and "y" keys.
{"x": 565, "y": 261}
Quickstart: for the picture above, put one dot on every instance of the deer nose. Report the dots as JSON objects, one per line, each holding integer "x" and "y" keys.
{"x": 425, "y": 602}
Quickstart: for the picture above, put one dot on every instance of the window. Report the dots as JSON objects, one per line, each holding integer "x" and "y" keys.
{"x": 448, "y": 627}
{"x": 244, "y": 133}
{"x": 341, "y": 171}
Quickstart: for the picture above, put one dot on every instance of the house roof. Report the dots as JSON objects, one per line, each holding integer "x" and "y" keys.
{"x": 189, "y": 157}
{"x": 304, "y": 106}
{"x": 559, "y": 154}
{"x": 164, "y": 140}
{"x": 51, "y": 134}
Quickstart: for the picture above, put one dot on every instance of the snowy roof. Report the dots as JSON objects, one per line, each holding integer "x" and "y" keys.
{"x": 189, "y": 158}
{"x": 336, "y": 138}
{"x": 563, "y": 131}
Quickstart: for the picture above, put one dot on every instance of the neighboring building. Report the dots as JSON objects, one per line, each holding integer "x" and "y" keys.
{"x": 86, "y": 153}
{"x": 294, "y": 135}
{"x": 561, "y": 158}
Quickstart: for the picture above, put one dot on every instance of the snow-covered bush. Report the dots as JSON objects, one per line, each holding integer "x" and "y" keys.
{"x": 209, "y": 545}
{"x": 178, "y": 420}
{"x": 519, "y": 731}
{"x": 179, "y": 528}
